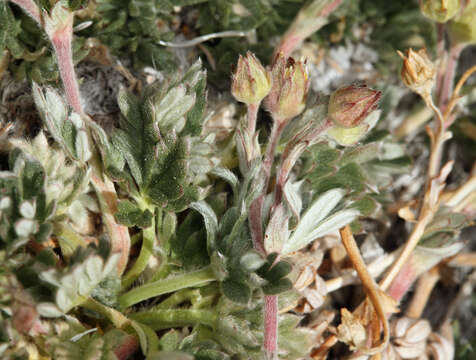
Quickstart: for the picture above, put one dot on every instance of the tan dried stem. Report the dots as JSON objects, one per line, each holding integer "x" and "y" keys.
{"x": 423, "y": 290}
{"x": 321, "y": 352}
{"x": 370, "y": 286}
{"x": 454, "y": 97}
{"x": 437, "y": 139}
{"x": 430, "y": 206}
{"x": 411, "y": 243}
{"x": 375, "y": 268}
{"x": 464, "y": 260}
{"x": 460, "y": 195}
{"x": 431, "y": 201}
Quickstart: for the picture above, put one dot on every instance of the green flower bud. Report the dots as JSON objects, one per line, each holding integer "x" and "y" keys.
{"x": 350, "y": 136}
{"x": 287, "y": 98}
{"x": 349, "y": 106}
{"x": 440, "y": 10}
{"x": 251, "y": 82}
{"x": 462, "y": 29}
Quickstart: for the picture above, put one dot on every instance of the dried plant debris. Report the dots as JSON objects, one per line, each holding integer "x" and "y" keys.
{"x": 207, "y": 179}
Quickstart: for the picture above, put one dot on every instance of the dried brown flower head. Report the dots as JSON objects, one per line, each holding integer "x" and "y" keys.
{"x": 418, "y": 71}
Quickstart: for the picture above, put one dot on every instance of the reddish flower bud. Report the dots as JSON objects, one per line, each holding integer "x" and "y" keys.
{"x": 251, "y": 82}
{"x": 287, "y": 98}
{"x": 349, "y": 106}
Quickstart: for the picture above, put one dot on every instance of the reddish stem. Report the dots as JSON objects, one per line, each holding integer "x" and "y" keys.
{"x": 448, "y": 77}
{"x": 271, "y": 326}
{"x": 119, "y": 234}
{"x": 256, "y": 228}
{"x": 30, "y": 8}
{"x": 252, "y": 115}
{"x": 255, "y": 212}
{"x": 441, "y": 54}
{"x": 309, "y": 19}
{"x": 402, "y": 282}
{"x": 61, "y": 41}
{"x": 276, "y": 131}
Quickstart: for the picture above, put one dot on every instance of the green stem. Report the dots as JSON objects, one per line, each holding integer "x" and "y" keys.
{"x": 164, "y": 270}
{"x": 177, "y": 298}
{"x": 144, "y": 292}
{"x": 114, "y": 316}
{"x": 167, "y": 318}
{"x": 148, "y": 239}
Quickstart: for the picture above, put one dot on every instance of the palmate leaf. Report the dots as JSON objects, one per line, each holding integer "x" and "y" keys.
{"x": 318, "y": 220}
{"x": 154, "y": 138}
{"x": 74, "y": 287}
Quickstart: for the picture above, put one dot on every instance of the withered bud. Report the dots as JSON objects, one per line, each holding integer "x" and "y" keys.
{"x": 440, "y": 10}
{"x": 418, "y": 71}
{"x": 349, "y": 106}
{"x": 409, "y": 337}
{"x": 251, "y": 82}
{"x": 287, "y": 98}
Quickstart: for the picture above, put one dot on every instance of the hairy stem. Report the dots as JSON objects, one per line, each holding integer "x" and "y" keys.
{"x": 271, "y": 326}
{"x": 147, "y": 291}
{"x": 448, "y": 78}
{"x": 276, "y": 131}
{"x": 441, "y": 54}
{"x": 114, "y": 316}
{"x": 255, "y": 215}
{"x": 118, "y": 234}
{"x": 30, "y": 8}
{"x": 255, "y": 222}
{"x": 411, "y": 243}
{"x": 62, "y": 44}
{"x": 148, "y": 240}
{"x": 424, "y": 287}
{"x": 403, "y": 281}
{"x": 167, "y": 318}
{"x": 309, "y": 19}
{"x": 252, "y": 115}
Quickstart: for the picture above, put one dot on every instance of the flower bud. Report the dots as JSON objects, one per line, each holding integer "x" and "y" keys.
{"x": 440, "y": 10}
{"x": 462, "y": 29}
{"x": 287, "y": 98}
{"x": 418, "y": 71}
{"x": 349, "y": 106}
{"x": 409, "y": 337}
{"x": 251, "y": 82}
{"x": 350, "y": 136}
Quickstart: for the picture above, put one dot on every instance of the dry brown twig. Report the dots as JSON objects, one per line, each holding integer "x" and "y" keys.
{"x": 371, "y": 288}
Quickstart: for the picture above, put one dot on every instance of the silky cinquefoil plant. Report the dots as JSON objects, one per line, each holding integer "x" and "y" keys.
{"x": 265, "y": 221}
